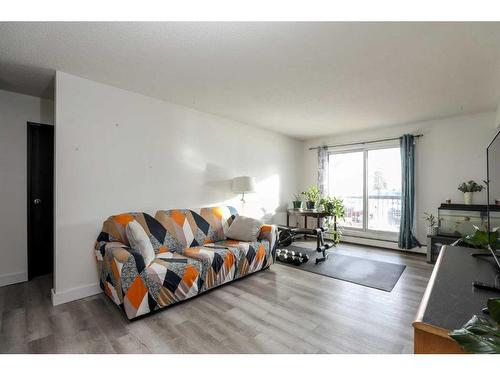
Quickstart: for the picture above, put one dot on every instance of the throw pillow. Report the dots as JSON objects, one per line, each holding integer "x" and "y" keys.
{"x": 244, "y": 229}
{"x": 140, "y": 241}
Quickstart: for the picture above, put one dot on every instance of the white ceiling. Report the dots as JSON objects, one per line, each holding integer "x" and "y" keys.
{"x": 300, "y": 79}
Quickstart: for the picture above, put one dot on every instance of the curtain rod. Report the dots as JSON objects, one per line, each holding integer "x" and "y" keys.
{"x": 364, "y": 143}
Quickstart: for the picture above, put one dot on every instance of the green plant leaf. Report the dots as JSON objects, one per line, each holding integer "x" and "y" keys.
{"x": 470, "y": 186}
{"x": 312, "y": 194}
{"x": 494, "y": 236}
{"x": 478, "y": 335}
{"x": 494, "y": 309}
{"x": 480, "y": 238}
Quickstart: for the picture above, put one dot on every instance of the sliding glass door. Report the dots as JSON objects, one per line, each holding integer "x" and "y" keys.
{"x": 369, "y": 181}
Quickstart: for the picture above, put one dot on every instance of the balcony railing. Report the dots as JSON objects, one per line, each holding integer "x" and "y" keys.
{"x": 384, "y": 212}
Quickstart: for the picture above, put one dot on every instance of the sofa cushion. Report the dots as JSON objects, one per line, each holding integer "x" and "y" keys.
{"x": 250, "y": 256}
{"x": 244, "y": 229}
{"x": 219, "y": 264}
{"x": 139, "y": 241}
{"x": 190, "y": 228}
{"x": 220, "y": 219}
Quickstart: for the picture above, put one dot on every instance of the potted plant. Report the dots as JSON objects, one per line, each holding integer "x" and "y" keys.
{"x": 335, "y": 209}
{"x": 480, "y": 239}
{"x": 297, "y": 203}
{"x": 432, "y": 221}
{"x": 468, "y": 188}
{"x": 481, "y": 334}
{"x": 312, "y": 196}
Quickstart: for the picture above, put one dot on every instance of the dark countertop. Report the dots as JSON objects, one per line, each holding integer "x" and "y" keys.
{"x": 453, "y": 300}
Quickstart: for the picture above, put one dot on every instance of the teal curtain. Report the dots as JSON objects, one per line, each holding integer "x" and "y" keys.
{"x": 406, "y": 238}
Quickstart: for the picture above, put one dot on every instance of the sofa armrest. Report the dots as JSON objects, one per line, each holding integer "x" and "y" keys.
{"x": 119, "y": 266}
{"x": 121, "y": 252}
{"x": 269, "y": 232}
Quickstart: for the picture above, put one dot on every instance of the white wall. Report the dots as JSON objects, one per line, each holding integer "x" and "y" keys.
{"x": 15, "y": 111}
{"x": 452, "y": 150}
{"x": 497, "y": 117}
{"x": 118, "y": 151}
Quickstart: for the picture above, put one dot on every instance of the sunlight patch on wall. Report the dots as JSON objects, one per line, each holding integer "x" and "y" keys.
{"x": 261, "y": 205}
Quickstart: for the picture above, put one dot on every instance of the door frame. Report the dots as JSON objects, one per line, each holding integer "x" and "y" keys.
{"x": 30, "y": 126}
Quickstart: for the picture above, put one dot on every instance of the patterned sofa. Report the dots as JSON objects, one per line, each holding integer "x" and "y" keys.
{"x": 193, "y": 255}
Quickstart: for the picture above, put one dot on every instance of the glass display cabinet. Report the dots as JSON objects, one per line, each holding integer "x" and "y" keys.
{"x": 458, "y": 220}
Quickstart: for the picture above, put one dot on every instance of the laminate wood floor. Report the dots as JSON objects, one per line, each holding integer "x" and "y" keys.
{"x": 279, "y": 310}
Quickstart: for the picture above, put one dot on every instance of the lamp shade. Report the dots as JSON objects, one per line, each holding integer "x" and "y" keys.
{"x": 243, "y": 184}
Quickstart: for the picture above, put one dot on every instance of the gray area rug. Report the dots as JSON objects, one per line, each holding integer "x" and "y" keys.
{"x": 366, "y": 272}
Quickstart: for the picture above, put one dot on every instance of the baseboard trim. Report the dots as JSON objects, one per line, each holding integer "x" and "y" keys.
{"x": 13, "y": 278}
{"x": 381, "y": 243}
{"x": 74, "y": 294}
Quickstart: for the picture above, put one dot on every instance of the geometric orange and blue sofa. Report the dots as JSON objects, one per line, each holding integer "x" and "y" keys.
{"x": 192, "y": 255}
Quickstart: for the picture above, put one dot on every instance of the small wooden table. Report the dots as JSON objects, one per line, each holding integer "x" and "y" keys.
{"x": 310, "y": 213}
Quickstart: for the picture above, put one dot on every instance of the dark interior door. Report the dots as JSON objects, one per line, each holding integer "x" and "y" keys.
{"x": 40, "y": 199}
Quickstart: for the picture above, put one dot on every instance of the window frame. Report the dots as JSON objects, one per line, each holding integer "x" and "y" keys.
{"x": 365, "y": 232}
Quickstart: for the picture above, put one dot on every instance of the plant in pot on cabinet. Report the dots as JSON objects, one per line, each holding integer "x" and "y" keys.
{"x": 469, "y": 188}
{"x": 432, "y": 228}
{"x": 297, "y": 202}
{"x": 312, "y": 196}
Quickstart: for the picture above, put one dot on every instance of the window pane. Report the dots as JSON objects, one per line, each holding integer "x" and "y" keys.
{"x": 346, "y": 182}
{"x": 384, "y": 189}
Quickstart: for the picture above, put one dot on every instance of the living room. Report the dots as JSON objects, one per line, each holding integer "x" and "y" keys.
{"x": 249, "y": 188}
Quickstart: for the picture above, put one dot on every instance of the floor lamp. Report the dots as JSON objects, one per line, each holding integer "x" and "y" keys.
{"x": 242, "y": 185}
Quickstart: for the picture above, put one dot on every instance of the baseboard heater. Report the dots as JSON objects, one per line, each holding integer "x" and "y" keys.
{"x": 386, "y": 244}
